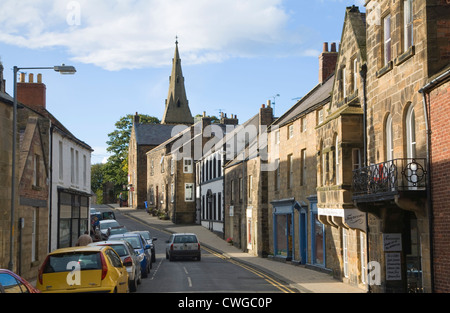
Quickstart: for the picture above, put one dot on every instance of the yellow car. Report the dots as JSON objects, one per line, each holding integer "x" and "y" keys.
{"x": 83, "y": 269}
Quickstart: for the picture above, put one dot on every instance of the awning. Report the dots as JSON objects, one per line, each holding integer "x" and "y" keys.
{"x": 350, "y": 218}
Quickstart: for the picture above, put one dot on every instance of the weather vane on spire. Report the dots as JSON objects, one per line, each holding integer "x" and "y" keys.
{"x": 176, "y": 39}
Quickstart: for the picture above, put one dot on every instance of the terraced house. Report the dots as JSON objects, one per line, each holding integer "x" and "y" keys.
{"x": 403, "y": 51}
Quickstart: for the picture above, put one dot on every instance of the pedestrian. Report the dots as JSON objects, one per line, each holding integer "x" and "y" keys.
{"x": 84, "y": 240}
{"x": 121, "y": 199}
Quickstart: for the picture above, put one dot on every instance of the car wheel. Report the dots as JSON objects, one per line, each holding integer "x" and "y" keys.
{"x": 199, "y": 257}
{"x": 133, "y": 285}
{"x": 145, "y": 273}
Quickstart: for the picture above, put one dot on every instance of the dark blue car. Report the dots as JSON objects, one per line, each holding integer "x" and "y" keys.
{"x": 141, "y": 247}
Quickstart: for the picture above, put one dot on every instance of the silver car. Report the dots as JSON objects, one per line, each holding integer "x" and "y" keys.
{"x": 129, "y": 259}
{"x": 183, "y": 245}
{"x": 104, "y": 225}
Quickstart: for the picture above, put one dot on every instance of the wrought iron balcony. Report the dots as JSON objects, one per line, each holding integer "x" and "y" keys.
{"x": 390, "y": 177}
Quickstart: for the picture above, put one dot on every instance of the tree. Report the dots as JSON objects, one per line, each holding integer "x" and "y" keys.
{"x": 116, "y": 168}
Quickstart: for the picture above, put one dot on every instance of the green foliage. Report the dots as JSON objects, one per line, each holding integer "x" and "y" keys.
{"x": 116, "y": 168}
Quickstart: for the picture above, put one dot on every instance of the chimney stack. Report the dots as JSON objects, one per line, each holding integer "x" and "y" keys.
{"x": 31, "y": 94}
{"x": 327, "y": 62}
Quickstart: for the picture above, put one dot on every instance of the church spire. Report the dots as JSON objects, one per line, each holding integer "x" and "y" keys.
{"x": 177, "y": 106}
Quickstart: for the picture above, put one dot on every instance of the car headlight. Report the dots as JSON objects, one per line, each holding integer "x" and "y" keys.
{"x": 141, "y": 257}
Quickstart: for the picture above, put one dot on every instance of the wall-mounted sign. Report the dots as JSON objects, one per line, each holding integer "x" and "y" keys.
{"x": 392, "y": 242}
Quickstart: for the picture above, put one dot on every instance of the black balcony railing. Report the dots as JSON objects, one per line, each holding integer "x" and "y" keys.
{"x": 391, "y": 176}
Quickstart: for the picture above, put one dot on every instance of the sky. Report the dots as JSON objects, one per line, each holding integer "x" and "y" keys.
{"x": 235, "y": 55}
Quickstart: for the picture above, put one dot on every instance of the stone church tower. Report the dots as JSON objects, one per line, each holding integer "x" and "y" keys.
{"x": 177, "y": 106}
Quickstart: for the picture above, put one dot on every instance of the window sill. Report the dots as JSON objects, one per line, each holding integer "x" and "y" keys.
{"x": 405, "y": 56}
{"x": 384, "y": 69}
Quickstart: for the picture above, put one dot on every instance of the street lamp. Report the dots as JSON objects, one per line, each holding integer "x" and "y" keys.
{"x": 62, "y": 69}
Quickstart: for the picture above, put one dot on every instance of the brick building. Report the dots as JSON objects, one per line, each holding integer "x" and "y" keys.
{"x": 403, "y": 50}
{"x": 436, "y": 96}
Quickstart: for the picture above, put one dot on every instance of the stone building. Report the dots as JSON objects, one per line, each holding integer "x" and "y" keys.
{"x": 404, "y": 48}
{"x": 246, "y": 184}
{"x": 69, "y": 164}
{"x": 143, "y": 138}
{"x": 339, "y": 146}
{"x": 297, "y": 234}
{"x": 6, "y": 121}
{"x": 171, "y": 173}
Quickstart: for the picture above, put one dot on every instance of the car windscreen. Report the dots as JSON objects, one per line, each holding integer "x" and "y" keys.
{"x": 134, "y": 241}
{"x": 106, "y": 225}
{"x": 61, "y": 262}
{"x": 115, "y": 231}
{"x": 146, "y": 235}
{"x": 120, "y": 249}
{"x": 185, "y": 239}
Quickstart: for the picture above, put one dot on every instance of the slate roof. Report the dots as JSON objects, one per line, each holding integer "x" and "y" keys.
{"x": 320, "y": 94}
{"x": 152, "y": 134}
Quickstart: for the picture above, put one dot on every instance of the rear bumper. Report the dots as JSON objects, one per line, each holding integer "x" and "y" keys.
{"x": 184, "y": 253}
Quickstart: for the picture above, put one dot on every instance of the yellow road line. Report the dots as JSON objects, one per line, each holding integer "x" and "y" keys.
{"x": 267, "y": 278}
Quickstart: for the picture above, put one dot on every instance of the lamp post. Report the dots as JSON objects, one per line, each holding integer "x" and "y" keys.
{"x": 62, "y": 69}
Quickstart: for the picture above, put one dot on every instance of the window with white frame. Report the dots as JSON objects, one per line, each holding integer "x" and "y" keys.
{"x": 250, "y": 188}
{"x": 345, "y": 250}
{"x": 303, "y": 126}
{"x": 290, "y": 171}
{"x": 355, "y": 74}
{"x": 389, "y": 139}
{"x": 411, "y": 133}
{"x": 34, "y": 237}
{"x": 320, "y": 116}
{"x": 291, "y": 131}
{"x": 36, "y": 170}
{"x": 356, "y": 158}
{"x": 187, "y": 165}
{"x": 362, "y": 249}
{"x": 72, "y": 166}
{"x": 344, "y": 82}
{"x": 61, "y": 161}
{"x": 277, "y": 174}
{"x": 172, "y": 166}
{"x": 303, "y": 181}
{"x": 408, "y": 24}
{"x": 189, "y": 192}
{"x": 387, "y": 53}
{"x": 338, "y": 162}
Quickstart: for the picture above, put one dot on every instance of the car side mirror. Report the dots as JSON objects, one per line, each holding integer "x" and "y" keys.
{"x": 154, "y": 238}
{"x": 147, "y": 247}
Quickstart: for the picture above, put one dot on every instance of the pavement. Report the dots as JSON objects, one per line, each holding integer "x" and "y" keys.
{"x": 305, "y": 280}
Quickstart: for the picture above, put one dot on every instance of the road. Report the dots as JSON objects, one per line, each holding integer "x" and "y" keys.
{"x": 213, "y": 274}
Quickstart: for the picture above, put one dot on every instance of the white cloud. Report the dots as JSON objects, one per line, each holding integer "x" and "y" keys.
{"x": 138, "y": 33}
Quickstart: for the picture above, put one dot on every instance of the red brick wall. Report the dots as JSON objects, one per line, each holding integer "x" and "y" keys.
{"x": 440, "y": 170}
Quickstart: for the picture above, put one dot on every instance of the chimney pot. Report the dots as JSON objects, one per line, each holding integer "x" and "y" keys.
{"x": 269, "y": 103}
{"x": 22, "y": 77}
{"x": 39, "y": 78}
{"x": 263, "y": 106}
{"x": 31, "y": 78}
{"x": 325, "y": 47}
{"x": 333, "y": 47}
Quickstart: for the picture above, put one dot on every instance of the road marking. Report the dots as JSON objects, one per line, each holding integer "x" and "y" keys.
{"x": 266, "y": 277}
{"x": 189, "y": 282}
{"x": 156, "y": 269}
{"x": 185, "y": 270}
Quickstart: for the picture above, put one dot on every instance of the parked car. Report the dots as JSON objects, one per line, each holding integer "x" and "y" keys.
{"x": 150, "y": 240}
{"x": 104, "y": 225}
{"x": 129, "y": 259}
{"x": 183, "y": 245}
{"x": 116, "y": 230}
{"x": 10, "y": 282}
{"x": 83, "y": 269}
{"x": 141, "y": 247}
{"x": 108, "y": 215}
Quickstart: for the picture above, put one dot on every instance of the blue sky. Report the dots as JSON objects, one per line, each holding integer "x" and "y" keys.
{"x": 235, "y": 55}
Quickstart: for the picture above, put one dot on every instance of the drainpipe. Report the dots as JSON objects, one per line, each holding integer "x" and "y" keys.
{"x": 424, "y": 91}
{"x": 363, "y": 73}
